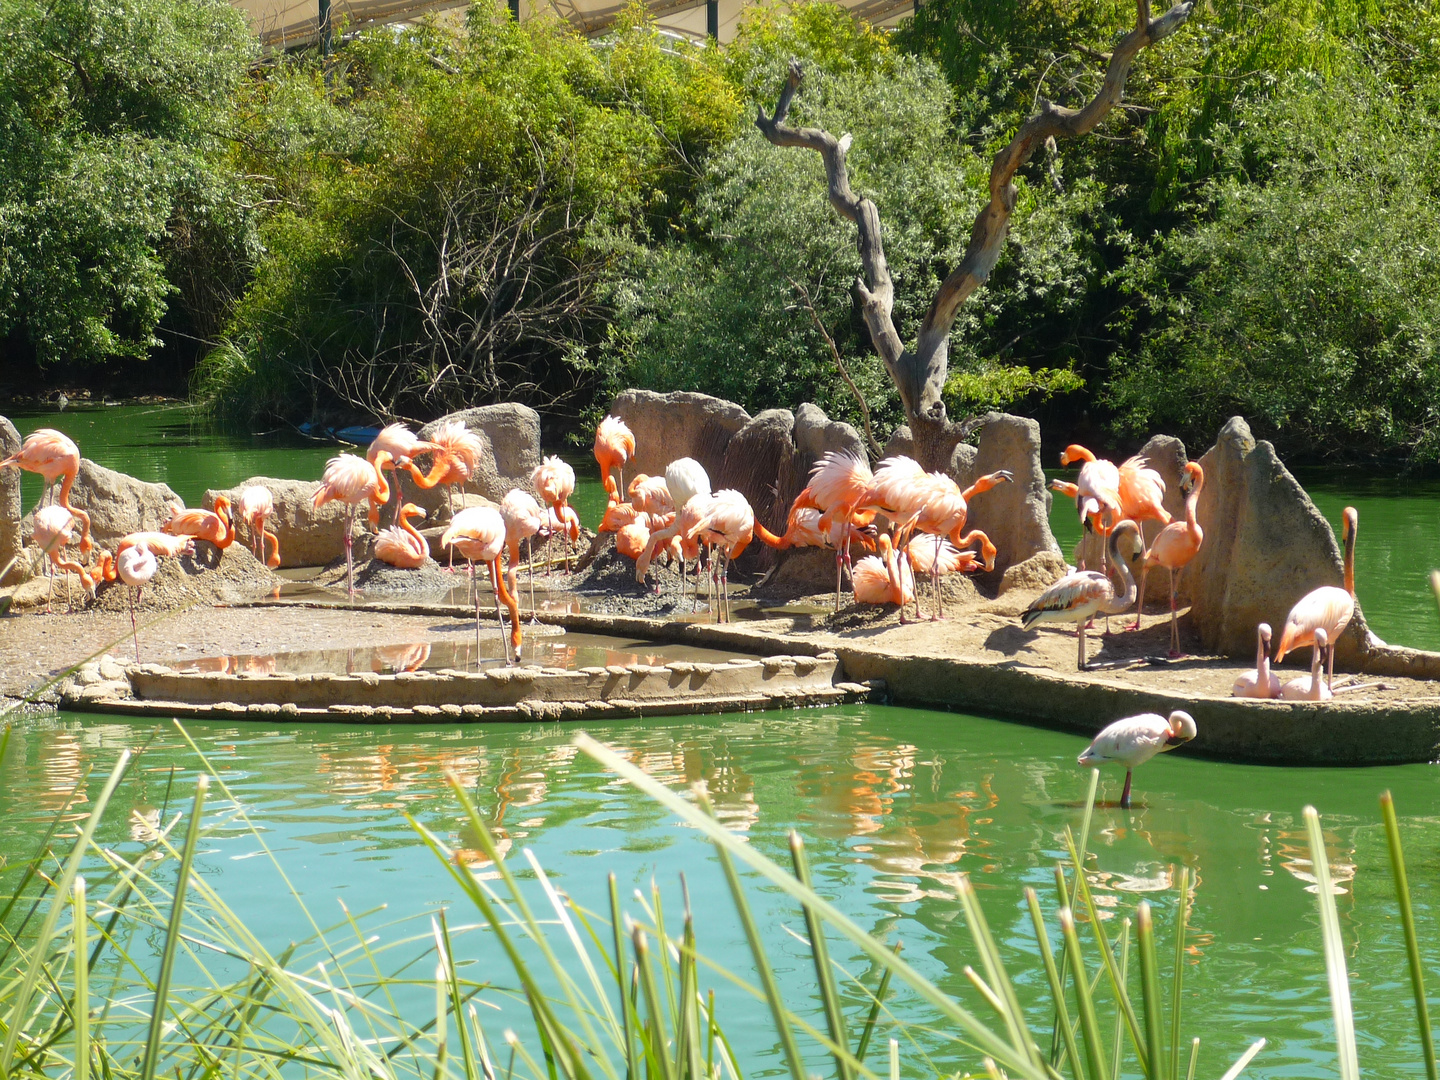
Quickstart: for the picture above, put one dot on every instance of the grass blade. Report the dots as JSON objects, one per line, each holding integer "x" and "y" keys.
{"x": 1117, "y": 1044}
{"x": 1057, "y": 985}
{"x": 1412, "y": 942}
{"x": 1178, "y": 978}
{"x": 1240, "y": 1063}
{"x": 870, "y": 1020}
{"x": 830, "y": 994}
{"x": 81, "y": 1009}
{"x": 21, "y": 1004}
{"x": 1194, "y": 1058}
{"x": 1150, "y": 989}
{"x": 627, "y": 1017}
{"x": 172, "y": 935}
{"x": 1334, "y": 951}
{"x": 665, "y": 1059}
{"x": 1084, "y": 1003}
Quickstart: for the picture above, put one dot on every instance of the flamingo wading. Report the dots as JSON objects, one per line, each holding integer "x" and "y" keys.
{"x": 1135, "y": 740}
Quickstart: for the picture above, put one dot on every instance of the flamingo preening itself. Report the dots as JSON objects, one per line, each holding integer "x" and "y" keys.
{"x": 401, "y": 545}
{"x": 255, "y": 507}
{"x": 685, "y": 478}
{"x": 883, "y": 578}
{"x": 216, "y": 525}
{"x": 137, "y": 557}
{"x": 350, "y": 479}
{"x": 1174, "y": 548}
{"x": 53, "y": 528}
{"x": 554, "y": 482}
{"x": 399, "y": 444}
{"x": 1262, "y": 682}
{"x": 1329, "y": 607}
{"x": 614, "y": 447}
{"x": 728, "y": 524}
{"x": 478, "y": 533}
{"x": 1135, "y": 740}
{"x": 1078, "y": 597}
{"x": 54, "y": 456}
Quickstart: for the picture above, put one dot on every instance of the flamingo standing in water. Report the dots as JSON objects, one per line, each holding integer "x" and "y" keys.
{"x": 729, "y": 524}
{"x": 1079, "y": 596}
{"x": 216, "y": 526}
{"x": 1262, "y": 682}
{"x": 401, "y": 545}
{"x": 1135, "y": 740}
{"x": 478, "y": 533}
{"x": 352, "y": 480}
{"x": 1174, "y": 547}
{"x": 524, "y": 519}
{"x": 54, "y": 456}
{"x": 614, "y": 447}
{"x": 1328, "y": 606}
{"x": 554, "y": 482}
{"x": 255, "y": 506}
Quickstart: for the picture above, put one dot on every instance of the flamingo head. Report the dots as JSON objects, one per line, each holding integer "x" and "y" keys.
{"x": 1126, "y": 541}
{"x": 1193, "y": 478}
{"x": 1181, "y": 728}
{"x": 1265, "y": 633}
{"x": 1075, "y": 452}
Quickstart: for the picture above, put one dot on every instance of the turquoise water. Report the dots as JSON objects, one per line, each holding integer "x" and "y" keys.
{"x": 894, "y": 804}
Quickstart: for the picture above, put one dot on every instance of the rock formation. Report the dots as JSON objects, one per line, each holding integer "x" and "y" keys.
{"x": 1015, "y": 516}
{"x": 118, "y": 503}
{"x": 676, "y": 425}
{"x": 10, "y": 539}
{"x": 308, "y": 537}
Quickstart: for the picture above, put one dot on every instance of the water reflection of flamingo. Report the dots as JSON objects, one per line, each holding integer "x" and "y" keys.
{"x": 409, "y": 656}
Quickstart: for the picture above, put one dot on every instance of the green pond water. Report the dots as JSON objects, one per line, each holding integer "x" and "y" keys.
{"x": 893, "y": 803}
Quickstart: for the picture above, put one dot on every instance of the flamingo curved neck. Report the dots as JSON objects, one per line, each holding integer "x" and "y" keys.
{"x": 1117, "y": 565}
{"x": 1350, "y": 562}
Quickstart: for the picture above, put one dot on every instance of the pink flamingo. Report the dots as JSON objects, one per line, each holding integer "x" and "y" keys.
{"x": 1079, "y": 596}
{"x": 478, "y": 533}
{"x": 53, "y": 531}
{"x": 255, "y": 507}
{"x": 216, "y": 525}
{"x": 400, "y": 444}
{"x": 524, "y": 520}
{"x": 729, "y": 524}
{"x": 936, "y": 556}
{"x": 401, "y": 545}
{"x": 1135, "y": 740}
{"x": 1097, "y": 490}
{"x": 1142, "y": 492}
{"x": 54, "y": 456}
{"x": 1310, "y": 687}
{"x": 650, "y": 494}
{"x": 685, "y": 478}
{"x": 554, "y": 482}
{"x": 352, "y": 480}
{"x": 840, "y": 485}
{"x": 1328, "y": 607}
{"x": 883, "y": 579}
{"x": 1262, "y": 682}
{"x": 137, "y": 558}
{"x": 1175, "y": 546}
{"x": 614, "y": 447}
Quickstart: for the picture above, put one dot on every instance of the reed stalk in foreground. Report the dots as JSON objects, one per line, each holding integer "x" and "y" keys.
{"x": 157, "y": 976}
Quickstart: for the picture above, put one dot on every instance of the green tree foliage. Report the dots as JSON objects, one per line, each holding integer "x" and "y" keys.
{"x": 1309, "y": 297}
{"x": 450, "y": 208}
{"x": 112, "y": 181}
{"x": 742, "y": 301}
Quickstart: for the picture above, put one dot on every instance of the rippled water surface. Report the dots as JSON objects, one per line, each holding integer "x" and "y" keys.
{"x": 894, "y": 804}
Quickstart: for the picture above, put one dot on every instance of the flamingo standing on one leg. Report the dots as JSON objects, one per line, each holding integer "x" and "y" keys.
{"x": 478, "y": 533}
{"x": 554, "y": 482}
{"x": 54, "y": 456}
{"x": 1327, "y": 606}
{"x": 614, "y": 447}
{"x": 1135, "y": 740}
{"x": 1174, "y": 547}
{"x": 524, "y": 519}
{"x": 936, "y": 556}
{"x": 216, "y": 525}
{"x": 1262, "y": 682}
{"x": 352, "y": 480}
{"x": 401, "y": 545}
{"x": 136, "y": 559}
{"x": 255, "y": 506}
{"x": 1079, "y": 596}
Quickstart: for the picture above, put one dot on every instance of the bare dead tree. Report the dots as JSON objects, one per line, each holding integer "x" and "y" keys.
{"x": 919, "y": 372}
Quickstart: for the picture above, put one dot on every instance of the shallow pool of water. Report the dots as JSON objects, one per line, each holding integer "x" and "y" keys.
{"x": 894, "y": 804}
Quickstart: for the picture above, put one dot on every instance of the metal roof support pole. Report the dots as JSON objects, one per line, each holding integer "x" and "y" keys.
{"x": 323, "y": 21}
{"x": 515, "y": 10}
{"x": 712, "y": 19}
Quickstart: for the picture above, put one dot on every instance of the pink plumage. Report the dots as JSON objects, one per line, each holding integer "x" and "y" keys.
{"x": 401, "y": 545}
{"x": 1142, "y": 491}
{"x": 464, "y": 446}
{"x": 348, "y": 479}
{"x": 477, "y": 532}
{"x": 50, "y": 453}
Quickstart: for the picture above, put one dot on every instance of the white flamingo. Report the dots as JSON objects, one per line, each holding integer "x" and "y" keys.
{"x": 1135, "y": 740}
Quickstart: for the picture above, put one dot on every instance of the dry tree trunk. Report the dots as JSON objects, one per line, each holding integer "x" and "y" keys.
{"x": 919, "y": 372}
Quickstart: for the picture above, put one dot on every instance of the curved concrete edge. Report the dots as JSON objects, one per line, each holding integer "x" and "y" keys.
{"x": 1232, "y": 729}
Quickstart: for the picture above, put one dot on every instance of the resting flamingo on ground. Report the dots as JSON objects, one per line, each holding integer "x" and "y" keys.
{"x": 255, "y": 507}
{"x": 883, "y": 578}
{"x": 1311, "y": 687}
{"x": 554, "y": 482}
{"x": 614, "y": 447}
{"x": 478, "y": 533}
{"x": 216, "y": 526}
{"x": 54, "y": 456}
{"x": 401, "y": 545}
{"x": 1174, "y": 548}
{"x": 1135, "y": 740}
{"x": 524, "y": 520}
{"x": 1077, "y": 597}
{"x": 1328, "y": 606}
{"x": 352, "y": 480}
{"x": 1262, "y": 682}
